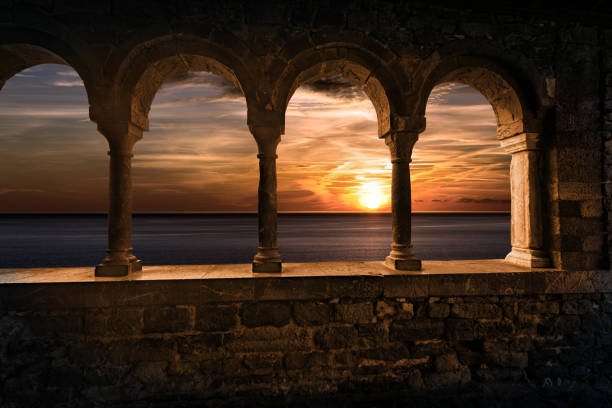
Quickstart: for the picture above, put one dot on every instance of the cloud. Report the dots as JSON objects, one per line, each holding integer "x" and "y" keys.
{"x": 76, "y": 82}
{"x": 202, "y": 79}
{"x": 335, "y": 86}
{"x": 70, "y": 73}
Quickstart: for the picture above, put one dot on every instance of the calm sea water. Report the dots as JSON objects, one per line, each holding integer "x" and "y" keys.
{"x": 80, "y": 240}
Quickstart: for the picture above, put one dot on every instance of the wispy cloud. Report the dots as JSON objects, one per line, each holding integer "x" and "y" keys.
{"x": 76, "y": 82}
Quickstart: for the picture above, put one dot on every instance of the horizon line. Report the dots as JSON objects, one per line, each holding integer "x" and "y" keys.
{"x": 247, "y": 212}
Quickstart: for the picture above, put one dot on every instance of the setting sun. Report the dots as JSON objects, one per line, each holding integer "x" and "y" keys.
{"x": 371, "y": 196}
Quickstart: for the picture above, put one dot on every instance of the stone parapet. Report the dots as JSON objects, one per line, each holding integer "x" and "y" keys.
{"x": 324, "y": 330}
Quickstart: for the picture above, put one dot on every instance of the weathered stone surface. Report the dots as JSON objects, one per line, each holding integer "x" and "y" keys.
{"x": 265, "y": 314}
{"x": 168, "y": 319}
{"x": 216, "y": 318}
{"x": 422, "y": 329}
{"x": 477, "y": 311}
{"x": 312, "y": 313}
{"x": 354, "y": 313}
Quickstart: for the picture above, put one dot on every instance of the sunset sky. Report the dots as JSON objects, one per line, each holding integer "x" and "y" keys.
{"x": 200, "y": 156}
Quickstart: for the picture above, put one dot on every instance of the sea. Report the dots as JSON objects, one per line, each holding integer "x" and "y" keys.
{"x": 61, "y": 240}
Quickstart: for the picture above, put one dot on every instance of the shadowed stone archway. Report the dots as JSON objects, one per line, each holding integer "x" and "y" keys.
{"x": 519, "y": 132}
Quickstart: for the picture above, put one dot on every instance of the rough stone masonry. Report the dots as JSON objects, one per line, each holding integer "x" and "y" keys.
{"x": 511, "y": 338}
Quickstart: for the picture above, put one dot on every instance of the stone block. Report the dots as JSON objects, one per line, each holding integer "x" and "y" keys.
{"x": 438, "y": 310}
{"x": 447, "y": 362}
{"x": 394, "y": 352}
{"x": 216, "y": 317}
{"x": 406, "y": 311}
{"x": 447, "y": 379}
{"x": 416, "y": 329}
{"x": 592, "y": 243}
{"x": 570, "y": 190}
{"x": 595, "y": 322}
{"x": 267, "y": 339}
{"x": 406, "y": 286}
{"x": 123, "y": 352}
{"x": 576, "y": 306}
{"x": 460, "y": 329}
{"x": 385, "y": 308}
{"x": 113, "y": 322}
{"x": 373, "y": 335}
{"x": 477, "y": 311}
{"x": 591, "y": 208}
{"x": 312, "y": 313}
{"x": 342, "y": 337}
{"x": 509, "y": 359}
{"x": 168, "y": 319}
{"x": 265, "y": 314}
{"x": 198, "y": 346}
{"x": 539, "y": 307}
{"x": 354, "y": 312}
{"x": 291, "y": 288}
{"x": 486, "y": 329}
{"x": 429, "y": 348}
{"x": 259, "y": 363}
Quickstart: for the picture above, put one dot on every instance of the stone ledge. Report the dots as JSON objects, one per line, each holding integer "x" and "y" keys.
{"x": 22, "y": 289}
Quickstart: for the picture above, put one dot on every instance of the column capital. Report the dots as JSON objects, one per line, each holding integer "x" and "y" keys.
{"x": 405, "y": 123}
{"x": 400, "y": 145}
{"x": 121, "y": 135}
{"x": 521, "y": 142}
{"x": 266, "y": 119}
{"x": 267, "y": 137}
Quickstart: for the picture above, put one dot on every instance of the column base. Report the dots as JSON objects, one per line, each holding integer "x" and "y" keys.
{"x": 530, "y": 258}
{"x": 267, "y": 260}
{"x": 401, "y": 258}
{"x": 110, "y": 269}
{"x": 403, "y": 264}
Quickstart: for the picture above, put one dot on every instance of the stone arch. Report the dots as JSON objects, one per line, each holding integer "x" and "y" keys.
{"x": 356, "y": 64}
{"x": 513, "y": 98}
{"x": 24, "y": 48}
{"x": 149, "y": 64}
{"x": 516, "y": 105}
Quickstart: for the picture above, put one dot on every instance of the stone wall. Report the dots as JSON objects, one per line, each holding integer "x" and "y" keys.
{"x": 509, "y": 337}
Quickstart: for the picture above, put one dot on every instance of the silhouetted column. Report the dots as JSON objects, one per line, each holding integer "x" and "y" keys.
{"x": 267, "y": 259}
{"x": 120, "y": 260}
{"x": 526, "y": 209}
{"x": 401, "y": 257}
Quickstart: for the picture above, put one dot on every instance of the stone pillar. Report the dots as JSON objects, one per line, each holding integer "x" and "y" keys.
{"x": 120, "y": 260}
{"x": 401, "y": 257}
{"x": 526, "y": 231}
{"x": 267, "y": 259}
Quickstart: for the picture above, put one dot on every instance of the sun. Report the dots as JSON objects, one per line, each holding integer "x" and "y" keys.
{"x": 371, "y": 196}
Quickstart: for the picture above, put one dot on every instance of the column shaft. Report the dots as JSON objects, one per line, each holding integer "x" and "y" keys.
{"x": 526, "y": 208}
{"x": 401, "y": 256}
{"x": 267, "y": 258}
{"x": 120, "y": 260}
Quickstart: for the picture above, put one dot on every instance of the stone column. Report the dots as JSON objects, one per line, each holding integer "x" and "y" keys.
{"x": 267, "y": 259}
{"x": 401, "y": 257}
{"x": 526, "y": 209}
{"x": 120, "y": 260}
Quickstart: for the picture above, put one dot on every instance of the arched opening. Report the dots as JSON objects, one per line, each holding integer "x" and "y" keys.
{"x": 460, "y": 179}
{"x": 334, "y": 172}
{"x": 53, "y": 168}
{"x": 195, "y": 174}
{"x": 518, "y": 131}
